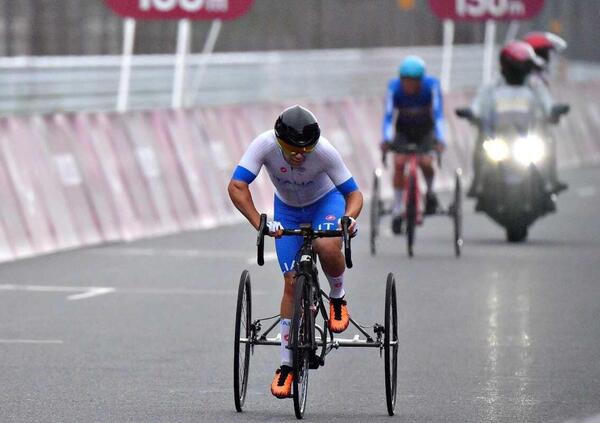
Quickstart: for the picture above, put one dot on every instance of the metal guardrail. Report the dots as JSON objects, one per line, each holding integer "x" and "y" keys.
{"x": 70, "y": 83}
{"x": 90, "y": 83}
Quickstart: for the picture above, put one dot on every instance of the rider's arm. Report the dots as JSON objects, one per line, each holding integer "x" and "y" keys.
{"x": 244, "y": 174}
{"x": 437, "y": 104}
{"x": 242, "y": 199}
{"x": 342, "y": 178}
{"x": 542, "y": 94}
{"x": 354, "y": 203}
{"x": 388, "y": 116}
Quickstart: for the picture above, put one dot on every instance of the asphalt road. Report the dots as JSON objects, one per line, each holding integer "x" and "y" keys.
{"x": 144, "y": 331}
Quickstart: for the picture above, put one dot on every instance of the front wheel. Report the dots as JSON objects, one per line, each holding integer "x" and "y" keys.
{"x": 412, "y": 205}
{"x": 241, "y": 349}
{"x": 300, "y": 343}
{"x": 390, "y": 344}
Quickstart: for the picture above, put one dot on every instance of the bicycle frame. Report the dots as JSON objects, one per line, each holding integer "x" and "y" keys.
{"x": 413, "y": 173}
{"x": 307, "y": 267}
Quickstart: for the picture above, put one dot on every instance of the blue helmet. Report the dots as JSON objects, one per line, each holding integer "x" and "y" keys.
{"x": 412, "y": 67}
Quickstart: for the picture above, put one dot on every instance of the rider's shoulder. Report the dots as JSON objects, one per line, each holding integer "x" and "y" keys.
{"x": 265, "y": 141}
{"x": 394, "y": 84}
{"x": 431, "y": 81}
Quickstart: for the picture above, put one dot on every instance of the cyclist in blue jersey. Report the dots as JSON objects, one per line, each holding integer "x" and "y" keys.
{"x": 312, "y": 185}
{"x": 416, "y": 100}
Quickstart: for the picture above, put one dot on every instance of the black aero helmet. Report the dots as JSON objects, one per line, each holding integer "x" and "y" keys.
{"x": 298, "y": 127}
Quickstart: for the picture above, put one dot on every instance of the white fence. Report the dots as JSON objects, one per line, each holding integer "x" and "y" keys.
{"x": 75, "y": 83}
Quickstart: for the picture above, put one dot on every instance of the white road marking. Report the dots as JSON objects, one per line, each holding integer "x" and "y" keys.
{"x": 90, "y": 293}
{"x": 30, "y": 341}
{"x": 268, "y": 257}
{"x": 81, "y": 292}
{"x": 154, "y": 252}
{"x": 588, "y": 191}
{"x": 203, "y": 292}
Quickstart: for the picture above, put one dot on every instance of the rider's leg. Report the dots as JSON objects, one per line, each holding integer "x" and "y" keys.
{"x": 557, "y": 185}
{"x": 329, "y": 250}
{"x": 286, "y": 249}
{"x": 287, "y": 312}
{"x": 426, "y": 165}
{"x": 333, "y": 264}
{"x": 398, "y": 182}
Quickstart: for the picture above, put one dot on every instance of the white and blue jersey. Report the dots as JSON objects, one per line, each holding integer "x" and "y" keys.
{"x": 311, "y": 193}
{"x": 423, "y": 109}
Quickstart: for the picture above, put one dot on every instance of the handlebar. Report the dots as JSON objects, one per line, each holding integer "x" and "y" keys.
{"x": 307, "y": 232}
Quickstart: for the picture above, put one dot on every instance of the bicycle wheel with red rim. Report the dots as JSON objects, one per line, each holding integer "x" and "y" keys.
{"x": 411, "y": 213}
{"x": 300, "y": 345}
{"x": 390, "y": 344}
{"x": 241, "y": 349}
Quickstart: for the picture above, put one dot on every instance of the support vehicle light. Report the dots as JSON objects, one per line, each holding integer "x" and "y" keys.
{"x": 496, "y": 149}
{"x": 529, "y": 150}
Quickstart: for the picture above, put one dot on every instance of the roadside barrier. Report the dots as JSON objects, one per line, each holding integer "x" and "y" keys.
{"x": 77, "y": 179}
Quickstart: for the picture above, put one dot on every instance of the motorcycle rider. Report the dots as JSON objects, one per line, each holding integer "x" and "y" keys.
{"x": 517, "y": 61}
{"x": 545, "y": 44}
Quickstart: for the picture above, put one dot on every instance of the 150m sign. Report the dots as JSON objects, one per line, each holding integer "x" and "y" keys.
{"x": 180, "y": 9}
{"x": 486, "y": 9}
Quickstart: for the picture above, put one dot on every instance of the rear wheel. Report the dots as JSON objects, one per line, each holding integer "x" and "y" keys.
{"x": 411, "y": 213}
{"x": 457, "y": 214}
{"x": 241, "y": 350}
{"x": 390, "y": 344}
{"x": 375, "y": 211}
{"x": 300, "y": 345}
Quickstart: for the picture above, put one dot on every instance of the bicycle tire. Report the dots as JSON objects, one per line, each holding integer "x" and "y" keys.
{"x": 411, "y": 213}
{"x": 390, "y": 344}
{"x": 457, "y": 214}
{"x": 375, "y": 213}
{"x": 243, "y": 317}
{"x": 300, "y": 345}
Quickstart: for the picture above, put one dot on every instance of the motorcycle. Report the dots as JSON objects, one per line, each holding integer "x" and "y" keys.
{"x": 513, "y": 160}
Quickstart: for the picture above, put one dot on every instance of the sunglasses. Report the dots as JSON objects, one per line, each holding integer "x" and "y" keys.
{"x": 293, "y": 150}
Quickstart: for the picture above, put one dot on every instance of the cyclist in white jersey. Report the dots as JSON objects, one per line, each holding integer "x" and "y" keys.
{"x": 312, "y": 185}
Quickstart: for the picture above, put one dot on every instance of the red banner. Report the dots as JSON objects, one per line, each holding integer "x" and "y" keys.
{"x": 481, "y": 10}
{"x": 180, "y": 9}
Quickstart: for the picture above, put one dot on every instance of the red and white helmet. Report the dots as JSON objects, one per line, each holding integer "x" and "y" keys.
{"x": 544, "y": 42}
{"x": 517, "y": 59}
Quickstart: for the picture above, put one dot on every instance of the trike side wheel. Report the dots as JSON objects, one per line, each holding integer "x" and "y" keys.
{"x": 390, "y": 344}
{"x": 241, "y": 350}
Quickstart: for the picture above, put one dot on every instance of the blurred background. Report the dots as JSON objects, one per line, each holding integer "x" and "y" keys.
{"x": 65, "y": 54}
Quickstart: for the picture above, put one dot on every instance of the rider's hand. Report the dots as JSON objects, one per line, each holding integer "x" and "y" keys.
{"x": 275, "y": 228}
{"x": 352, "y": 228}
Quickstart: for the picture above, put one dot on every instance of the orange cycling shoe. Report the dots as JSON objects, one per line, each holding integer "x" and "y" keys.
{"x": 281, "y": 387}
{"x": 338, "y": 315}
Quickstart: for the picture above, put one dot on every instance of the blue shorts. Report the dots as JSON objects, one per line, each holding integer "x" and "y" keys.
{"x": 322, "y": 214}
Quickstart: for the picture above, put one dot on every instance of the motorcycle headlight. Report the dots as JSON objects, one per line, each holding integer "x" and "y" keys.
{"x": 528, "y": 150}
{"x": 496, "y": 149}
